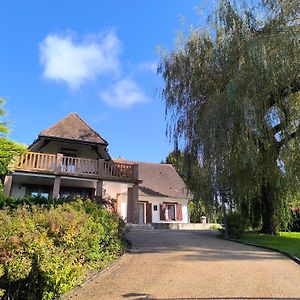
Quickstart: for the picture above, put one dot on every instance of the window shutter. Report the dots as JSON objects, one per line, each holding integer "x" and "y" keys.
{"x": 179, "y": 212}
{"x": 162, "y": 212}
{"x": 148, "y": 213}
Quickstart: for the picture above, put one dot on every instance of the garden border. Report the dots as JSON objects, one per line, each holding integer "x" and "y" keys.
{"x": 90, "y": 278}
{"x": 292, "y": 257}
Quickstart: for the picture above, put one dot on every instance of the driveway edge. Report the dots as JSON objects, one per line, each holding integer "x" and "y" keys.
{"x": 292, "y": 257}
{"x": 91, "y": 278}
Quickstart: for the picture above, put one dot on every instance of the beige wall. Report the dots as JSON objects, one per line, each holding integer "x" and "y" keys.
{"x": 83, "y": 151}
{"x": 118, "y": 190}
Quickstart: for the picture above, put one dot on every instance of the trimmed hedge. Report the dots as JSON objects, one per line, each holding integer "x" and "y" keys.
{"x": 45, "y": 250}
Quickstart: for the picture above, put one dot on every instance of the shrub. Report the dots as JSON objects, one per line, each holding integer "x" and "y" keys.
{"x": 295, "y": 220}
{"x": 45, "y": 251}
{"x": 236, "y": 225}
{"x": 11, "y": 202}
{"x": 215, "y": 227}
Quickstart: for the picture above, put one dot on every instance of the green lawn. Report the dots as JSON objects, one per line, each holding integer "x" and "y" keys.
{"x": 286, "y": 241}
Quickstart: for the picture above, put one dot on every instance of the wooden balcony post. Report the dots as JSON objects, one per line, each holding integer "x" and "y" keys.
{"x": 7, "y": 184}
{"x": 59, "y": 159}
{"x": 101, "y": 168}
{"x": 56, "y": 187}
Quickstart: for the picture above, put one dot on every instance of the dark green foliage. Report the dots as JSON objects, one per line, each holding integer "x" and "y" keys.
{"x": 11, "y": 202}
{"x": 198, "y": 183}
{"x": 295, "y": 221}
{"x": 28, "y": 200}
{"x": 235, "y": 225}
{"x": 46, "y": 250}
{"x": 232, "y": 93}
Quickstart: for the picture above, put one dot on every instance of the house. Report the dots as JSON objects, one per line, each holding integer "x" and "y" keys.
{"x": 70, "y": 159}
{"x": 163, "y": 196}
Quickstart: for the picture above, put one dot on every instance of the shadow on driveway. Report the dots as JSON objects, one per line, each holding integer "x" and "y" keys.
{"x": 141, "y": 296}
{"x": 204, "y": 245}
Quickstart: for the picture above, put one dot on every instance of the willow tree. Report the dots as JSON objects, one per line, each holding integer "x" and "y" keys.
{"x": 233, "y": 101}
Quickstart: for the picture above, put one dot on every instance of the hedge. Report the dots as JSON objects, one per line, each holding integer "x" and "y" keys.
{"x": 45, "y": 250}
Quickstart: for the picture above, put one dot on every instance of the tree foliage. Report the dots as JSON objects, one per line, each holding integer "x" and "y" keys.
{"x": 8, "y": 148}
{"x": 197, "y": 182}
{"x": 232, "y": 96}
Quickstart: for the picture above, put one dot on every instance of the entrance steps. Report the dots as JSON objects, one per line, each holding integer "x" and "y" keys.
{"x": 143, "y": 226}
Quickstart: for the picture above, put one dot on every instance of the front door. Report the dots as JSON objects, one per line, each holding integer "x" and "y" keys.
{"x": 141, "y": 212}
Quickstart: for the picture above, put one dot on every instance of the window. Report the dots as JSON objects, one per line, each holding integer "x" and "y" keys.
{"x": 38, "y": 191}
{"x": 170, "y": 212}
{"x": 155, "y": 207}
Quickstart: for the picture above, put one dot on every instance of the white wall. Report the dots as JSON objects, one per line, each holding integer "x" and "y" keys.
{"x": 118, "y": 190}
{"x": 122, "y": 206}
{"x": 159, "y": 200}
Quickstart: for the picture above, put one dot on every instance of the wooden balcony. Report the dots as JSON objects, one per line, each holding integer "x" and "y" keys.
{"x": 78, "y": 167}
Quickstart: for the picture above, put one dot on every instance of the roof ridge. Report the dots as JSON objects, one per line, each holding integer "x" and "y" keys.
{"x": 74, "y": 113}
{"x": 144, "y": 162}
{"x": 72, "y": 123}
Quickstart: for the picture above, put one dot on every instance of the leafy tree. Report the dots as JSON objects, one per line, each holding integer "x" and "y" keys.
{"x": 232, "y": 95}
{"x": 197, "y": 182}
{"x": 8, "y": 148}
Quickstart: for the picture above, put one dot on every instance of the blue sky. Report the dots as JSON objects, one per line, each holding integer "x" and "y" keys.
{"x": 96, "y": 58}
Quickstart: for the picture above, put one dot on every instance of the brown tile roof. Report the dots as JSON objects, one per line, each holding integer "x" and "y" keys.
{"x": 160, "y": 180}
{"x": 72, "y": 127}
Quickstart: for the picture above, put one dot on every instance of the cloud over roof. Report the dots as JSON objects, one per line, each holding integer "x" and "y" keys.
{"x": 123, "y": 94}
{"x": 76, "y": 62}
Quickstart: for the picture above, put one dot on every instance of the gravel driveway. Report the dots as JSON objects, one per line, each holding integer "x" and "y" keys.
{"x": 167, "y": 264}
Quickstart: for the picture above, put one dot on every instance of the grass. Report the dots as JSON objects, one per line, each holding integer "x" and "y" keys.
{"x": 286, "y": 241}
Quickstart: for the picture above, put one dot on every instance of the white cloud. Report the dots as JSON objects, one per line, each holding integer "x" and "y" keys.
{"x": 123, "y": 94}
{"x": 74, "y": 62}
{"x": 147, "y": 66}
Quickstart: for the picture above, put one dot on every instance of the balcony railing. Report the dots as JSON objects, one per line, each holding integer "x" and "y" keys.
{"x": 73, "y": 166}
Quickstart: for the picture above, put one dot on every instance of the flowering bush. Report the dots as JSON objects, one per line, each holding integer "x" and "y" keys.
{"x": 45, "y": 250}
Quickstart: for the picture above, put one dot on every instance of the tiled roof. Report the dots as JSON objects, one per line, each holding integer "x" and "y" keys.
{"x": 72, "y": 127}
{"x": 160, "y": 180}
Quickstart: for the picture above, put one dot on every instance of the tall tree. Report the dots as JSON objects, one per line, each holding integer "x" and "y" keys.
{"x": 8, "y": 148}
{"x": 232, "y": 95}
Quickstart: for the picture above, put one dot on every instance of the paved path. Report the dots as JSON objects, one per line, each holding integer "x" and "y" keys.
{"x": 194, "y": 265}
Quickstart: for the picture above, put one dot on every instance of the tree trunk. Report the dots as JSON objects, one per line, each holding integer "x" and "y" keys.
{"x": 268, "y": 194}
{"x": 269, "y": 224}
